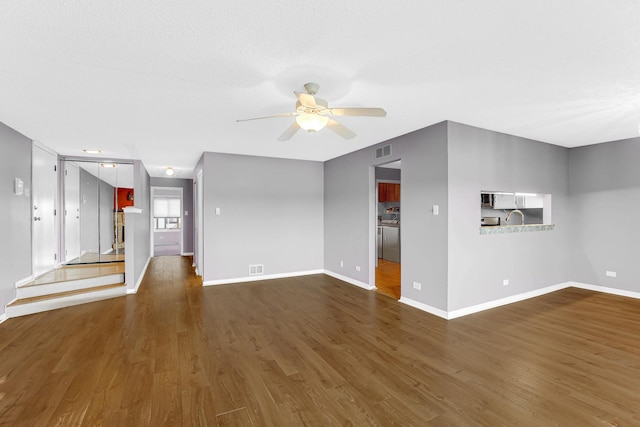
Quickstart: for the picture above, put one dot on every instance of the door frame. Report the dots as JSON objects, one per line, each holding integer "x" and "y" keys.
{"x": 198, "y": 259}
{"x": 373, "y": 220}
{"x": 152, "y": 216}
{"x": 56, "y": 219}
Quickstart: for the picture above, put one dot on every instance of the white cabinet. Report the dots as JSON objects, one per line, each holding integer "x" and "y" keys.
{"x": 533, "y": 201}
{"x": 517, "y": 201}
{"x": 504, "y": 201}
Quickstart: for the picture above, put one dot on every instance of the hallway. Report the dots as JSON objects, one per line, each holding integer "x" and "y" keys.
{"x": 316, "y": 351}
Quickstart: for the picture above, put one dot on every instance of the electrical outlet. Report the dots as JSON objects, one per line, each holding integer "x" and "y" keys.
{"x": 611, "y": 274}
{"x": 218, "y": 211}
{"x": 341, "y": 263}
{"x": 357, "y": 268}
{"x": 417, "y": 285}
{"x": 505, "y": 282}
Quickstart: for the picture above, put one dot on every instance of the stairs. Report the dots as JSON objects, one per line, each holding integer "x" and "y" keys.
{"x": 68, "y": 286}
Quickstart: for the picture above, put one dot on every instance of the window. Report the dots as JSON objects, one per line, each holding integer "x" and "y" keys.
{"x": 166, "y": 213}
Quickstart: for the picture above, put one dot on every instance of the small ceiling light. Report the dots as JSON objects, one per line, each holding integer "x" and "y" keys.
{"x": 312, "y": 122}
{"x": 108, "y": 165}
{"x": 92, "y": 151}
{"x": 169, "y": 171}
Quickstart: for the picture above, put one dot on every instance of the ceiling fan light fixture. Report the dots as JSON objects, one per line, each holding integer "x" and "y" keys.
{"x": 169, "y": 171}
{"x": 312, "y": 122}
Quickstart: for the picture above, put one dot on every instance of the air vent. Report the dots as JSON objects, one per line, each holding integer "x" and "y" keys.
{"x": 383, "y": 151}
{"x": 256, "y": 269}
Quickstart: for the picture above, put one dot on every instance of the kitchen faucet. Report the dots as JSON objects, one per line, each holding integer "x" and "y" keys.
{"x": 514, "y": 211}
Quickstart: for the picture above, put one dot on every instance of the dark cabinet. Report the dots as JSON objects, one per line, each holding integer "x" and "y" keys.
{"x": 388, "y": 192}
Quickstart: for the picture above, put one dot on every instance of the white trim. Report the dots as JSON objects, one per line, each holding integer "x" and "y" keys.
{"x": 3, "y": 317}
{"x": 604, "y": 289}
{"x": 24, "y": 281}
{"x": 508, "y": 300}
{"x": 144, "y": 270}
{"x": 424, "y": 307}
{"x": 349, "y": 280}
{"x": 69, "y": 285}
{"x": 66, "y": 301}
{"x": 262, "y": 277}
{"x": 186, "y": 254}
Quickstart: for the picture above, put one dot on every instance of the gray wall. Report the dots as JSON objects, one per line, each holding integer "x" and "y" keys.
{"x": 350, "y": 191}
{"x": 141, "y": 223}
{"x": 15, "y": 215}
{"x": 605, "y": 200}
{"x": 271, "y": 214}
{"x": 187, "y": 206}
{"x": 480, "y": 159}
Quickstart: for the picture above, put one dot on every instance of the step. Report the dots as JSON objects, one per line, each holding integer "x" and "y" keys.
{"x": 38, "y": 304}
{"x": 70, "y": 278}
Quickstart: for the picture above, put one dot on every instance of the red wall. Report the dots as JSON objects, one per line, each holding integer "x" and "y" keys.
{"x": 121, "y": 197}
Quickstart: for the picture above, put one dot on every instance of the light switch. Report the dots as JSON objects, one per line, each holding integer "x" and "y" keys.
{"x": 217, "y": 211}
{"x": 186, "y": 213}
{"x": 435, "y": 209}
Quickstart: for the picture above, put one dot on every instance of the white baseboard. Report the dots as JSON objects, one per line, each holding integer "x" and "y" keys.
{"x": 186, "y": 253}
{"x": 515, "y": 298}
{"x": 606, "y": 290}
{"x": 144, "y": 271}
{"x": 349, "y": 280}
{"x": 260, "y": 277}
{"x": 3, "y": 317}
{"x": 24, "y": 281}
{"x": 424, "y": 307}
{"x": 508, "y": 300}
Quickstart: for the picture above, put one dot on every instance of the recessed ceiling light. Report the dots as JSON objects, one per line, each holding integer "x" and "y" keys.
{"x": 108, "y": 165}
{"x": 169, "y": 171}
{"x": 92, "y": 151}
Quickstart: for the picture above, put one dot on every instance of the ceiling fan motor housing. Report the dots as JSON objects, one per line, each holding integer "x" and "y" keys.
{"x": 312, "y": 88}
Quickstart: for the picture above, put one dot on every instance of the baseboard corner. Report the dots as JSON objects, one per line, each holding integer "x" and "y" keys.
{"x": 349, "y": 280}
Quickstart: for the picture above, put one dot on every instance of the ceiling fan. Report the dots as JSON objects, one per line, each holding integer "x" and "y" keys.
{"x": 313, "y": 114}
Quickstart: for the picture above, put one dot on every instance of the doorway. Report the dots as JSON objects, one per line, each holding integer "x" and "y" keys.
{"x": 388, "y": 227}
{"x": 167, "y": 221}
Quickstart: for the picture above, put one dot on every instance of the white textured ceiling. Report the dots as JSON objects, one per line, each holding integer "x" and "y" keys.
{"x": 163, "y": 81}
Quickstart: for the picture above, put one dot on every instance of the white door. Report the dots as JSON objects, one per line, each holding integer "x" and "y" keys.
{"x": 44, "y": 185}
{"x": 71, "y": 211}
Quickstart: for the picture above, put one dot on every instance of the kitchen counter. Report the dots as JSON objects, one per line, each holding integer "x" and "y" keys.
{"x": 392, "y": 225}
{"x": 501, "y": 229}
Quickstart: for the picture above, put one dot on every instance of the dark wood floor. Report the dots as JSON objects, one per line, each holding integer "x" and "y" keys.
{"x": 318, "y": 352}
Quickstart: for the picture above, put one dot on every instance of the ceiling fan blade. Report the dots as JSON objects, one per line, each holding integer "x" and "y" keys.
{"x": 367, "y": 112}
{"x": 268, "y": 117}
{"x": 289, "y": 132}
{"x": 306, "y": 100}
{"x": 340, "y": 129}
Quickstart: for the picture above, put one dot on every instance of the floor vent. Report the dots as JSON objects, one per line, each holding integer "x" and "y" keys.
{"x": 383, "y": 151}
{"x": 256, "y": 269}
